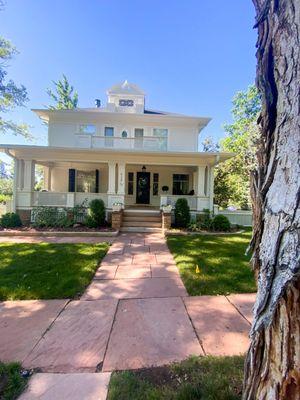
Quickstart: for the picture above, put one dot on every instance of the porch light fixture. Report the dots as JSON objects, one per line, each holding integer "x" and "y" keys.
{"x": 144, "y": 168}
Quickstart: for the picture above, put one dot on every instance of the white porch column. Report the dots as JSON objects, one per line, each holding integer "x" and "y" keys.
{"x": 211, "y": 188}
{"x": 200, "y": 187}
{"x": 47, "y": 178}
{"x": 16, "y": 182}
{"x": 111, "y": 178}
{"x": 201, "y": 181}
{"x": 29, "y": 175}
{"x": 121, "y": 178}
{"x": 20, "y": 174}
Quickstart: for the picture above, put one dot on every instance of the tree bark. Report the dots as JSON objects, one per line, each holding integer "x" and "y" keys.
{"x": 272, "y": 367}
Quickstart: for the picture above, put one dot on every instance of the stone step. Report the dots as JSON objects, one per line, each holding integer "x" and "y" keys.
{"x": 142, "y": 218}
{"x": 138, "y": 213}
{"x": 139, "y": 229}
{"x": 149, "y": 224}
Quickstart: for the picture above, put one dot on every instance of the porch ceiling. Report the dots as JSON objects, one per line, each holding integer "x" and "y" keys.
{"x": 52, "y": 154}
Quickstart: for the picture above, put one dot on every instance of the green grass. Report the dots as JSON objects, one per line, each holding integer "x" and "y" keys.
{"x": 206, "y": 378}
{"x": 11, "y": 381}
{"x": 224, "y": 267}
{"x": 47, "y": 270}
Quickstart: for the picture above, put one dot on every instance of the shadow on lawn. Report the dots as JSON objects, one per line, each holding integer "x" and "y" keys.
{"x": 47, "y": 270}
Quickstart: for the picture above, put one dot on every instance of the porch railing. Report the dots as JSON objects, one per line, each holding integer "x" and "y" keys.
{"x": 65, "y": 199}
{"x": 150, "y": 143}
{"x": 194, "y": 202}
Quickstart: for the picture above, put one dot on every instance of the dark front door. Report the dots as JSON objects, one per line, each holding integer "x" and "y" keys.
{"x": 143, "y": 187}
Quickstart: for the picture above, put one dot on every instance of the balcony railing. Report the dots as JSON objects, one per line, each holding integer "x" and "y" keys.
{"x": 147, "y": 143}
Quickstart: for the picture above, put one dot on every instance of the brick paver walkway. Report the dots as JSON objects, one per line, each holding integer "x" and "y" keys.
{"x": 135, "y": 313}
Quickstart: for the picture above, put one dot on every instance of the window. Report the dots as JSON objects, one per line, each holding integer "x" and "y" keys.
{"x": 124, "y": 135}
{"x": 87, "y": 129}
{"x": 155, "y": 184}
{"x": 130, "y": 183}
{"x": 109, "y": 133}
{"x": 162, "y": 134}
{"x": 86, "y": 181}
{"x": 180, "y": 184}
{"x": 138, "y": 134}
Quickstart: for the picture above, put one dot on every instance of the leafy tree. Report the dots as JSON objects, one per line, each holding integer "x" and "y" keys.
{"x": 11, "y": 95}
{"x": 208, "y": 145}
{"x": 232, "y": 178}
{"x": 65, "y": 97}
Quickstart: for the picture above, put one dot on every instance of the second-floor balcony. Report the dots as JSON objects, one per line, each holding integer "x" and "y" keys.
{"x": 147, "y": 143}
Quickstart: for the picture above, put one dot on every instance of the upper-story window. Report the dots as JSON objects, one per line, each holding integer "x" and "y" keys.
{"x": 139, "y": 135}
{"x": 124, "y": 134}
{"x": 87, "y": 129}
{"x": 109, "y": 133}
{"x": 162, "y": 135}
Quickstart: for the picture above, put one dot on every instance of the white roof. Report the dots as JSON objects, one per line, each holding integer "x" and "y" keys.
{"x": 125, "y": 88}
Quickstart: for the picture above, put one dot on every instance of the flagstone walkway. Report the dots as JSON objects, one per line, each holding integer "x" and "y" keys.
{"x": 135, "y": 313}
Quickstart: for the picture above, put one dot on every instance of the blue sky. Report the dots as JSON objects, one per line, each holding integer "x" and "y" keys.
{"x": 189, "y": 56}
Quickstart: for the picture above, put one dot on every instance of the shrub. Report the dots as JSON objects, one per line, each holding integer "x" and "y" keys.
{"x": 96, "y": 217}
{"x": 220, "y": 223}
{"x": 51, "y": 217}
{"x": 182, "y": 213}
{"x": 204, "y": 220}
{"x": 10, "y": 220}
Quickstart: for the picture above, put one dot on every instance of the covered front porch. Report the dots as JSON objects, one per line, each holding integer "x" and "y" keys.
{"x": 133, "y": 185}
{"x": 147, "y": 180}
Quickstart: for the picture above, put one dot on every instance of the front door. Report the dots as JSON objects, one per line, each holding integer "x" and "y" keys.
{"x": 143, "y": 187}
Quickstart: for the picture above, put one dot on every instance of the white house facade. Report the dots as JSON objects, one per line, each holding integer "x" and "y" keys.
{"x": 122, "y": 153}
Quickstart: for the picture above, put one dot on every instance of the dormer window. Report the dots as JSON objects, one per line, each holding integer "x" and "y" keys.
{"x": 87, "y": 129}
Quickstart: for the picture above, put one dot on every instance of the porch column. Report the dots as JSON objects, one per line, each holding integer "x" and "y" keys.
{"x": 211, "y": 188}
{"x": 29, "y": 175}
{"x": 47, "y": 178}
{"x": 16, "y": 182}
{"x": 121, "y": 179}
{"x": 201, "y": 181}
{"x": 111, "y": 177}
{"x": 20, "y": 175}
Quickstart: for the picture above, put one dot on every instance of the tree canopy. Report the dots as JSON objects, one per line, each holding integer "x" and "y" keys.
{"x": 64, "y": 95}
{"x": 11, "y": 95}
{"x": 232, "y": 178}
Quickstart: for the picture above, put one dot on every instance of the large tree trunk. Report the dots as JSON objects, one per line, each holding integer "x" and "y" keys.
{"x": 272, "y": 368}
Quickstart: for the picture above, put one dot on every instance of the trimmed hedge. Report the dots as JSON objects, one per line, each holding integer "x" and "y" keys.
{"x": 10, "y": 220}
{"x": 220, "y": 223}
{"x": 182, "y": 213}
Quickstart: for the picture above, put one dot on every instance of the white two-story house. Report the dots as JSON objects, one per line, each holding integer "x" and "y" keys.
{"x": 122, "y": 152}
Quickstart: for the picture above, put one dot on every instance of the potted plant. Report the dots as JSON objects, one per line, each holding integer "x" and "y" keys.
{"x": 166, "y": 208}
{"x": 117, "y": 206}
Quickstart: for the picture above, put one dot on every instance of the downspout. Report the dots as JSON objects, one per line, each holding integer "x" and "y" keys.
{"x": 14, "y": 201}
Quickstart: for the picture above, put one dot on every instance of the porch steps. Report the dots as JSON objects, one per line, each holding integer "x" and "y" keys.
{"x": 141, "y": 220}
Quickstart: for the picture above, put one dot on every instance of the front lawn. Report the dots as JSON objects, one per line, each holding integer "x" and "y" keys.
{"x": 11, "y": 381}
{"x": 209, "y": 378}
{"x": 47, "y": 270}
{"x": 223, "y": 266}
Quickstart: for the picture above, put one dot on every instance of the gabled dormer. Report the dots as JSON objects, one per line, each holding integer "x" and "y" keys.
{"x": 126, "y": 98}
